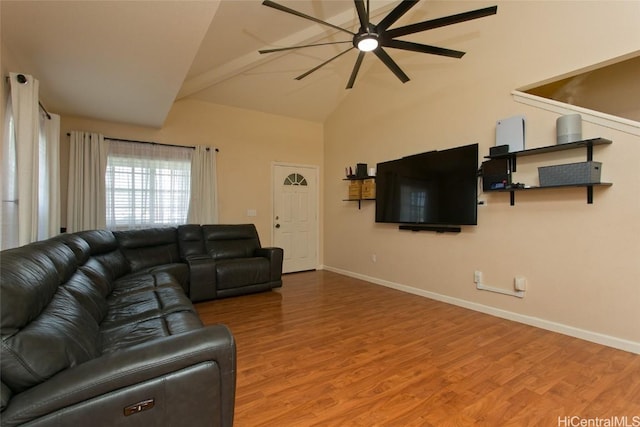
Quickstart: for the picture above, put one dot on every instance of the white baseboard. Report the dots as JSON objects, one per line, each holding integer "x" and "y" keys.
{"x": 619, "y": 343}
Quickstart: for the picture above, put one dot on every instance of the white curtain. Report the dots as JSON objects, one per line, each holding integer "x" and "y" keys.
{"x": 49, "y": 178}
{"x": 30, "y": 167}
{"x": 203, "y": 205}
{"x": 86, "y": 191}
{"x": 26, "y": 113}
{"x": 9, "y": 218}
{"x": 147, "y": 185}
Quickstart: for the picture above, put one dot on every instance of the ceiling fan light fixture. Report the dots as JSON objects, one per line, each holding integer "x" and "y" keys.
{"x": 367, "y": 43}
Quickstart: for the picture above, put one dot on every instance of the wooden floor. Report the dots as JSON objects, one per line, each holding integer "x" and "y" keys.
{"x": 329, "y": 350}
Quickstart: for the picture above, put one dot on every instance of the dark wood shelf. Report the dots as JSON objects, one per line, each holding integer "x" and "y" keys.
{"x": 589, "y": 188}
{"x": 358, "y": 200}
{"x": 587, "y": 143}
{"x": 356, "y": 178}
{"x": 508, "y": 190}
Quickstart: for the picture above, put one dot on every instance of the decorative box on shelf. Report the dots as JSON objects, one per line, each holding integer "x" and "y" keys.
{"x": 355, "y": 190}
{"x": 570, "y": 174}
{"x": 368, "y": 188}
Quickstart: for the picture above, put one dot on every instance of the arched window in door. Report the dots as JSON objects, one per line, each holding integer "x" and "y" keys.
{"x": 295, "y": 179}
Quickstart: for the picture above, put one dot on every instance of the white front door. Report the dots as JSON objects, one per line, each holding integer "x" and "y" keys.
{"x": 295, "y": 216}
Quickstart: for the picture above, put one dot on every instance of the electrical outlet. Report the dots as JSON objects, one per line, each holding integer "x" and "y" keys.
{"x": 477, "y": 276}
{"x": 520, "y": 283}
{"x": 374, "y": 258}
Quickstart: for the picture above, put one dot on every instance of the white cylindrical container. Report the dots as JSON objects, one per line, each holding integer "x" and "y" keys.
{"x": 569, "y": 128}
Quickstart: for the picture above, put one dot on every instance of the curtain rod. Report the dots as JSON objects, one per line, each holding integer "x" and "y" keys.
{"x": 150, "y": 142}
{"x": 44, "y": 110}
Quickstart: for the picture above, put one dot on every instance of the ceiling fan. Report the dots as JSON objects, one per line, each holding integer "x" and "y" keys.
{"x": 372, "y": 38}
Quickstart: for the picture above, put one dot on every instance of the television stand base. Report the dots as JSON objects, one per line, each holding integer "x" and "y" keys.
{"x": 436, "y": 228}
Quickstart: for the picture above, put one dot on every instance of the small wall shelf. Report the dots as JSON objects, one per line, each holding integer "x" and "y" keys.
{"x": 358, "y": 178}
{"x": 359, "y": 199}
{"x": 589, "y": 188}
{"x": 587, "y": 143}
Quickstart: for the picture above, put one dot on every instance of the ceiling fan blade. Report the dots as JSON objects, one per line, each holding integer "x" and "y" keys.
{"x": 300, "y": 47}
{"x": 356, "y": 68}
{"x": 396, "y": 13}
{"x": 302, "y": 76}
{"x": 302, "y": 15}
{"x": 362, "y": 14}
{"x": 390, "y": 63}
{"x": 368, "y": 12}
{"x": 423, "y": 48}
{"x": 441, "y": 22}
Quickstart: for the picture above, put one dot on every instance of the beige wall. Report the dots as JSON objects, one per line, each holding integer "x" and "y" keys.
{"x": 581, "y": 260}
{"x": 249, "y": 142}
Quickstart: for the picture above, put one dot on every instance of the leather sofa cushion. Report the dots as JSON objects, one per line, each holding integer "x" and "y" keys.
{"x": 150, "y": 247}
{"x": 144, "y": 296}
{"x": 179, "y": 271}
{"x": 234, "y": 273}
{"x": 230, "y": 241}
{"x": 232, "y": 249}
{"x": 61, "y": 256}
{"x": 133, "y": 333}
{"x": 88, "y": 295}
{"x": 115, "y": 263}
{"x": 99, "y": 276}
{"x": 62, "y": 336}
{"x": 29, "y": 281}
{"x": 100, "y": 241}
{"x": 78, "y": 246}
{"x": 104, "y": 249}
{"x": 190, "y": 240}
{"x": 141, "y": 281}
{"x": 144, "y": 307}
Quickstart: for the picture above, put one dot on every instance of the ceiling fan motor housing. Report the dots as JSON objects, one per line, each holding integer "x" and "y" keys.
{"x": 367, "y": 40}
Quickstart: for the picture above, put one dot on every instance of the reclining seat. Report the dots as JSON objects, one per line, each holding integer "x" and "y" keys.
{"x": 228, "y": 260}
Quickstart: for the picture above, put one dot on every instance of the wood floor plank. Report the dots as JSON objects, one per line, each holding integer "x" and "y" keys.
{"x": 329, "y": 350}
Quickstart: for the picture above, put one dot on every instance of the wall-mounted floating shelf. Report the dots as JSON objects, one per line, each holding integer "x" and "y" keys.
{"x": 358, "y": 200}
{"x": 587, "y": 143}
{"x": 360, "y": 197}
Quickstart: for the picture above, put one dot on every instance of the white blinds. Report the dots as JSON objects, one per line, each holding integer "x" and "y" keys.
{"x": 147, "y": 185}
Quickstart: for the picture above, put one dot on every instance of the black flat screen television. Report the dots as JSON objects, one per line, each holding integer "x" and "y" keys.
{"x": 433, "y": 188}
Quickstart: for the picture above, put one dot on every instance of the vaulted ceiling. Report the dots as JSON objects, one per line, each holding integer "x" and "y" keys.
{"x": 128, "y": 61}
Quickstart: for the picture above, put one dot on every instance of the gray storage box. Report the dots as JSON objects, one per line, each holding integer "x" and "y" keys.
{"x": 570, "y": 174}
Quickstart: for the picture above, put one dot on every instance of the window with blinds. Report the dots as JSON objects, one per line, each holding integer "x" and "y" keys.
{"x": 147, "y": 190}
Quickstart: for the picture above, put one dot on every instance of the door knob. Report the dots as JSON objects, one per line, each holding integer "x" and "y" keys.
{"x": 277, "y": 225}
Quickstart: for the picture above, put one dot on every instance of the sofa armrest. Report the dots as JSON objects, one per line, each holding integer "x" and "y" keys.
{"x": 275, "y": 256}
{"x": 202, "y": 277}
{"x": 107, "y": 384}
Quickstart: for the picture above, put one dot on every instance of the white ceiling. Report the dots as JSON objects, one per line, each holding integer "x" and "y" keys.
{"x": 128, "y": 61}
